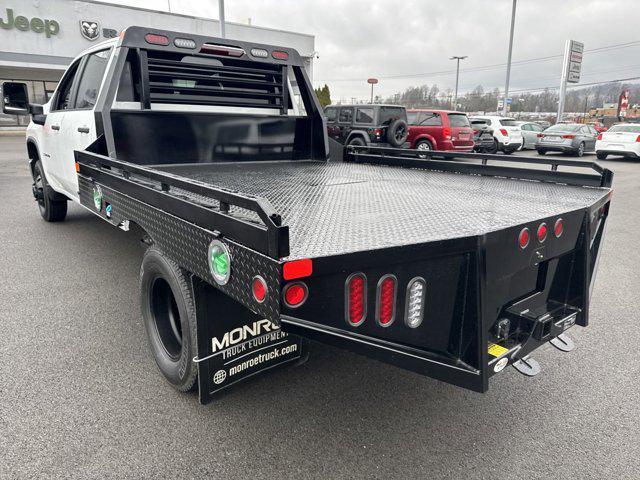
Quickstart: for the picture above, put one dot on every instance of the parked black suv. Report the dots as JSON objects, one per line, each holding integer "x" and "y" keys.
{"x": 367, "y": 124}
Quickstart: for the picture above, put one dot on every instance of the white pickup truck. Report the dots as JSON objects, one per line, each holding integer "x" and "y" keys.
{"x": 259, "y": 237}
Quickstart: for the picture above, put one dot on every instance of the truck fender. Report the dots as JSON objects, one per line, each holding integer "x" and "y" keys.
{"x": 33, "y": 152}
{"x": 358, "y": 133}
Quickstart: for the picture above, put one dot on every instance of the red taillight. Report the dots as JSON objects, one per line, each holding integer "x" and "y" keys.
{"x": 224, "y": 50}
{"x": 504, "y": 132}
{"x": 568, "y": 136}
{"x": 446, "y": 131}
{"x": 297, "y": 269}
{"x": 377, "y": 131}
{"x": 356, "y": 299}
{"x": 259, "y": 289}
{"x": 386, "y": 300}
{"x": 638, "y": 138}
{"x": 558, "y": 228}
{"x": 540, "y": 135}
{"x": 542, "y": 232}
{"x": 278, "y": 55}
{"x": 295, "y": 294}
{"x": 524, "y": 237}
{"x": 154, "y": 39}
{"x": 600, "y": 137}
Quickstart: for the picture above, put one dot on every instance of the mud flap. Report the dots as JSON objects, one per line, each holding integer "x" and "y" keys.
{"x": 235, "y": 343}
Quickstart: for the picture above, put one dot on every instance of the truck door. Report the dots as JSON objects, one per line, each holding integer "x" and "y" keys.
{"x": 52, "y": 136}
{"x": 78, "y": 126}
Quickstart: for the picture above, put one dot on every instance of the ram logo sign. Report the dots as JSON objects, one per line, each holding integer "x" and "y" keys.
{"x": 89, "y": 29}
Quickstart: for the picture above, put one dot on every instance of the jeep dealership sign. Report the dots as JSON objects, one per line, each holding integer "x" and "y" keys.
{"x": 24, "y": 24}
{"x": 39, "y": 38}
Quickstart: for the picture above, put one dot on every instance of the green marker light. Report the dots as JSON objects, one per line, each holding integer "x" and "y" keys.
{"x": 219, "y": 262}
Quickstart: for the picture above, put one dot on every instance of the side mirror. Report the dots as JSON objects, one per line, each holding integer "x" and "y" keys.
{"x": 15, "y": 98}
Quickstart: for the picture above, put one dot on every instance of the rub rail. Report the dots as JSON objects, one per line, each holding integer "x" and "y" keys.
{"x": 437, "y": 160}
{"x": 272, "y": 238}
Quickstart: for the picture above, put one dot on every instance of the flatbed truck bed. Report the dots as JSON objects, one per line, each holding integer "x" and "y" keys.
{"x": 337, "y": 208}
{"x": 260, "y": 235}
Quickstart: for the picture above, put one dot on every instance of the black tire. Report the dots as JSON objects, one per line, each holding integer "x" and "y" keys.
{"x": 507, "y": 152}
{"x": 165, "y": 294}
{"x": 397, "y": 133}
{"x": 493, "y": 149}
{"x": 541, "y": 152}
{"x": 51, "y": 208}
{"x": 601, "y": 155}
{"x": 357, "y": 141}
{"x": 580, "y": 151}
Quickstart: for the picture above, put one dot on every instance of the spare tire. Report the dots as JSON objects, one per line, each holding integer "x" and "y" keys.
{"x": 397, "y": 132}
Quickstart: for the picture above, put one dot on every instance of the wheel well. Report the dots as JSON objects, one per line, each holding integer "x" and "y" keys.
{"x": 424, "y": 139}
{"x": 356, "y": 135}
{"x": 139, "y": 232}
{"x": 34, "y": 156}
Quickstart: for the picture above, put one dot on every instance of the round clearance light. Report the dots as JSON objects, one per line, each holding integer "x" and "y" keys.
{"x": 542, "y": 232}
{"x": 219, "y": 260}
{"x": 295, "y": 294}
{"x": 524, "y": 237}
{"x": 97, "y": 197}
{"x": 259, "y": 289}
{"x": 558, "y": 228}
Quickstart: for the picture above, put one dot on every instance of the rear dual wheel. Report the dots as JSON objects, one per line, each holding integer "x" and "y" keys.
{"x": 168, "y": 310}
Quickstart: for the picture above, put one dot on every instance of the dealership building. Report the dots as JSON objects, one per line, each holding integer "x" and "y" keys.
{"x": 38, "y": 39}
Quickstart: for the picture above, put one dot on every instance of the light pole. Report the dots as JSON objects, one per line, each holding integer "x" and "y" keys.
{"x": 506, "y": 84}
{"x": 221, "y": 11}
{"x": 455, "y": 97}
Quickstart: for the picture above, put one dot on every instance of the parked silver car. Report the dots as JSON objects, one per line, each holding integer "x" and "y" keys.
{"x": 530, "y": 131}
{"x": 567, "y": 138}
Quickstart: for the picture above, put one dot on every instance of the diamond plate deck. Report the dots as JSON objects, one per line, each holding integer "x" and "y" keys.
{"x": 336, "y": 208}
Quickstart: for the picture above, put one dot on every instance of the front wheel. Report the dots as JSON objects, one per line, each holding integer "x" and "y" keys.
{"x": 601, "y": 155}
{"x": 50, "y": 210}
{"x": 169, "y": 314}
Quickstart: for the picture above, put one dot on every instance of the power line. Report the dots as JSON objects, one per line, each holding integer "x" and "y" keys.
{"x": 487, "y": 67}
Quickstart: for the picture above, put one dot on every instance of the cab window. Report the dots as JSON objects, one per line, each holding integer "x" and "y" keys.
{"x": 91, "y": 79}
{"x": 62, "y": 100}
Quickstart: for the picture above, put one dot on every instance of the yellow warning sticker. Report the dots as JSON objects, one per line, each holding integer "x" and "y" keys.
{"x": 497, "y": 350}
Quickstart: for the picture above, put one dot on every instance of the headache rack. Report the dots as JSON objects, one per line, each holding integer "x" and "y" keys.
{"x": 201, "y": 80}
{"x": 478, "y": 164}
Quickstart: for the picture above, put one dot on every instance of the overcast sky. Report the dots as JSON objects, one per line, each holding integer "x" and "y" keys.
{"x": 414, "y": 39}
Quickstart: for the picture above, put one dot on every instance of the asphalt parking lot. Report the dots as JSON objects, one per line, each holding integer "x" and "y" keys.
{"x": 80, "y": 395}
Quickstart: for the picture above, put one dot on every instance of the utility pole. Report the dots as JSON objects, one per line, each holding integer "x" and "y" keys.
{"x": 221, "y": 11}
{"x": 455, "y": 97}
{"x": 506, "y": 85}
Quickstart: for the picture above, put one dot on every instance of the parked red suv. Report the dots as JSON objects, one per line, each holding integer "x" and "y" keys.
{"x": 439, "y": 130}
